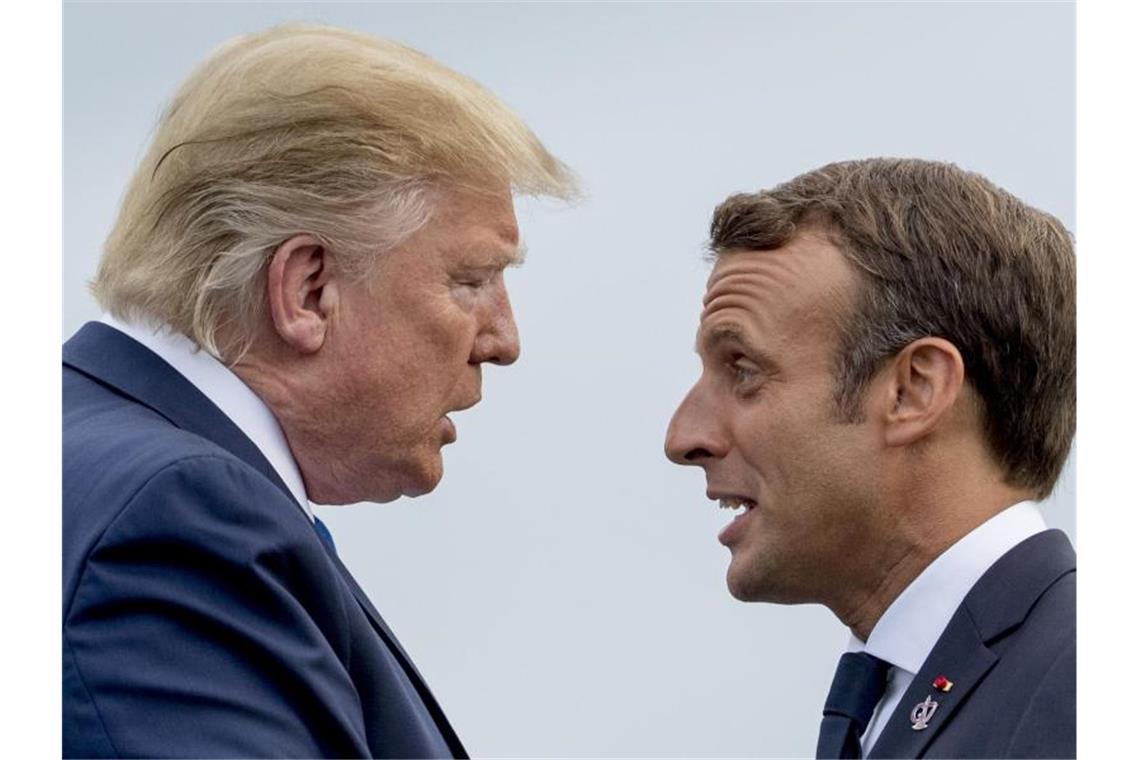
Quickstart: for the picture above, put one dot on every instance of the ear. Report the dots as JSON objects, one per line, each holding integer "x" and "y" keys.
{"x": 302, "y": 293}
{"x": 927, "y": 378}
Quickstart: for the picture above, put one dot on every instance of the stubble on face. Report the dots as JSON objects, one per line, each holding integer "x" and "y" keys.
{"x": 813, "y": 529}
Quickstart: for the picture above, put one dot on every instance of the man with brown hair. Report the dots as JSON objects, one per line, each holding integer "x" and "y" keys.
{"x": 888, "y": 384}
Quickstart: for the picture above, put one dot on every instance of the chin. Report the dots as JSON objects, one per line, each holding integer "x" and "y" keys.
{"x": 751, "y": 583}
{"x": 739, "y": 585}
{"x": 386, "y": 481}
{"x": 423, "y": 477}
{"x": 740, "y": 589}
{"x": 758, "y": 586}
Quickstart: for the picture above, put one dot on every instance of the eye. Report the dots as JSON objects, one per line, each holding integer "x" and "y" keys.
{"x": 476, "y": 281}
{"x": 744, "y": 373}
{"x": 469, "y": 289}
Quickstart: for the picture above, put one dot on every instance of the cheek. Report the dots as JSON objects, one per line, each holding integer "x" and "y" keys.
{"x": 775, "y": 445}
{"x": 802, "y": 461}
{"x": 456, "y": 336}
{"x": 439, "y": 361}
{"x": 441, "y": 330}
{"x": 428, "y": 337}
{"x": 421, "y": 378}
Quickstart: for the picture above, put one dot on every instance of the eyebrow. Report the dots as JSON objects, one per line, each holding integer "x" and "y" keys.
{"x": 718, "y": 335}
{"x": 497, "y": 258}
{"x": 491, "y": 259}
{"x": 722, "y": 334}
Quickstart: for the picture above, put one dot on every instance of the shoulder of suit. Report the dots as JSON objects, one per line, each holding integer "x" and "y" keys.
{"x": 1047, "y": 723}
{"x": 203, "y": 512}
{"x": 129, "y": 474}
{"x": 116, "y": 450}
{"x": 114, "y": 444}
{"x": 1030, "y": 583}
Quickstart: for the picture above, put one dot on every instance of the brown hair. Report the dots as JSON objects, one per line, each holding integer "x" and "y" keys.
{"x": 941, "y": 252}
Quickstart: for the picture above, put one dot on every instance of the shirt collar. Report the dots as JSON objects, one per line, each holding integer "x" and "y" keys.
{"x": 227, "y": 391}
{"x": 907, "y": 632}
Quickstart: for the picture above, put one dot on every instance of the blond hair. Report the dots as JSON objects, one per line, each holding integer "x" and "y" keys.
{"x": 312, "y": 129}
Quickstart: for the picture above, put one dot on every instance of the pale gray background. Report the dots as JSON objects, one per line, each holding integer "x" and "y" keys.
{"x": 563, "y": 589}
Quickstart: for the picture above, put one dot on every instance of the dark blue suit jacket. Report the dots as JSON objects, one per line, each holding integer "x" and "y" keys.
{"x": 203, "y": 616}
{"x": 1011, "y": 652}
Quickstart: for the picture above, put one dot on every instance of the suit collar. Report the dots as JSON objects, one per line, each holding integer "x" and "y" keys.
{"x": 1003, "y": 597}
{"x": 909, "y": 628}
{"x": 123, "y": 364}
{"x": 998, "y": 602}
{"x": 226, "y": 390}
{"x": 118, "y": 361}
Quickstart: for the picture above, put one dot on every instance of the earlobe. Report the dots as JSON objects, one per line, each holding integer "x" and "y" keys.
{"x": 927, "y": 380}
{"x": 301, "y": 293}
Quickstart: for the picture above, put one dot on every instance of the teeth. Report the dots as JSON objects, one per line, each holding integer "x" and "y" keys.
{"x": 734, "y": 503}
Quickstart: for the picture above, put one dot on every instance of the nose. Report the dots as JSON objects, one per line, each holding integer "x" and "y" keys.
{"x": 694, "y": 436}
{"x": 498, "y": 340}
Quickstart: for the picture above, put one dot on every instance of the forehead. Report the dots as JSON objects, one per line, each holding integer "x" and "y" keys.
{"x": 480, "y": 229}
{"x": 802, "y": 288}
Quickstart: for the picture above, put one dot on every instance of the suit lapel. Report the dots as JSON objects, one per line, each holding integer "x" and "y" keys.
{"x": 961, "y": 656}
{"x": 998, "y": 602}
{"x": 120, "y": 362}
{"x": 385, "y": 633}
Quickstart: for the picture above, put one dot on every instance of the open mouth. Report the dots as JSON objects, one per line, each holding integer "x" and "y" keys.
{"x": 734, "y": 530}
{"x": 468, "y": 405}
{"x": 736, "y": 503}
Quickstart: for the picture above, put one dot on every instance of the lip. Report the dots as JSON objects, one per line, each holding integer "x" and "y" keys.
{"x": 735, "y": 529}
{"x": 450, "y": 434}
{"x": 716, "y": 495}
{"x": 478, "y": 398}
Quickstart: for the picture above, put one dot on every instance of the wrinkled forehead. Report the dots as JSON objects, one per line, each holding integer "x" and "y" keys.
{"x": 798, "y": 287}
{"x": 477, "y": 229}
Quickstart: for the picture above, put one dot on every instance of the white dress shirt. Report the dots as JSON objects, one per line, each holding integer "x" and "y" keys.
{"x": 227, "y": 391}
{"x": 911, "y": 626}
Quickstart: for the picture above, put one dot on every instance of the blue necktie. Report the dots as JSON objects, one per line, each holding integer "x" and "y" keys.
{"x": 859, "y": 683}
{"x": 323, "y": 532}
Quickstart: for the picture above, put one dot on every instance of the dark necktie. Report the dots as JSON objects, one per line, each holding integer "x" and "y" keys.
{"x": 859, "y": 682}
{"x": 324, "y": 533}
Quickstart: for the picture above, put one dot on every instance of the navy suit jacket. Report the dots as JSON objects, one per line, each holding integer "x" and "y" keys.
{"x": 1011, "y": 652}
{"x": 203, "y": 616}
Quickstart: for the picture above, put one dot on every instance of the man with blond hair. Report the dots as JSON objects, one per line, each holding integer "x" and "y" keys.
{"x": 888, "y": 385}
{"x": 304, "y": 280}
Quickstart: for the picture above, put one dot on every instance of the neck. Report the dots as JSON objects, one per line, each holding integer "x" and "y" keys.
{"x": 317, "y": 427}
{"x": 274, "y": 383}
{"x": 925, "y": 528}
{"x": 862, "y": 616}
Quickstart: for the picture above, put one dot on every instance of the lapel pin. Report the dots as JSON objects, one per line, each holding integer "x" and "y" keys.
{"x": 922, "y": 713}
{"x": 942, "y": 683}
